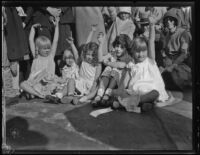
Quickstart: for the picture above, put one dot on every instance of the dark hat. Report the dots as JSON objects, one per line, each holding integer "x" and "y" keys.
{"x": 172, "y": 13}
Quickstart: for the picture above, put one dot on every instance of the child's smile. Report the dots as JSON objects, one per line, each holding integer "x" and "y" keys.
{"x": 119, "y": 50}
{"x": 140, "y": 56}
{"x": 44, "y": 52}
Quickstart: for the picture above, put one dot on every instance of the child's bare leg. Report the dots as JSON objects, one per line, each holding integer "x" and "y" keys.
{"x": 108, "y": 92}
{"x": 61, "y": 93}
{"x": 92, "y": 94}
{"x": 67, "y": 89}
{"x": 102, "y": 86}
{"x": 26, "y": 87}
{"x": 71, "y": 86}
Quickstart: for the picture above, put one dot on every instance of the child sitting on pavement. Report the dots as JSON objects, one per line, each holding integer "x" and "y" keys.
{"x": 41, "y": 80}
{"x": 85, "y": 82}
{"x": 111, "y": 76}
{"x": 146, "y": 85}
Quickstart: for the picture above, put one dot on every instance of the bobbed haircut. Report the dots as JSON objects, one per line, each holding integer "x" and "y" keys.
{"x": 123, "y": 40}
{"x": 42, "y": 42}
{"x": 138, "y": 44}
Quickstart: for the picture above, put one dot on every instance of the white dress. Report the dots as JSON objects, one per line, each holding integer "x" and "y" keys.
{"x": 70, "y": 72}
{"x": 42, "y": 67}
{"x": 145, "y": 77}
{"x": 42, "y": 63}
{"x": 86, "y": 78}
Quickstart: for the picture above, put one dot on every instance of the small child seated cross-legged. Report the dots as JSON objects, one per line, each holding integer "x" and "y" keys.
{"x": 70, "y": 72}
{"x": 85, "y": 82}
{"x": 41, "y": 79}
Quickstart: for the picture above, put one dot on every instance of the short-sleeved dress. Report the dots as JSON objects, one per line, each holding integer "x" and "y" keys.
{"x": 145, "y": 77}
{"x": 70, "y": 72}
{"x": 86, "y": 78}
{"x": 42, "y": 67}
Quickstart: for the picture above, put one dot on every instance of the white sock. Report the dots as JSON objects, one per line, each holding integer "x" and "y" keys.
{"x": 59, "y": 95}
{"x": 100, "y": 92}
{"x": 108, "y": 91}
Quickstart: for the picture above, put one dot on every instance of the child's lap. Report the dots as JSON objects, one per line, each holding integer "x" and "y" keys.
{"x": 112, "y": 72}
{"x": 83, "y": 85}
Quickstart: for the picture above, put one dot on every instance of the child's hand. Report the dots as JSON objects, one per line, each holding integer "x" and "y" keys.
{"x": 153, "y": 16}
{"x": 56, "y": 20}
{"x": 105, "y": 61}
{"x": 94, "y": 27}
{"x": 100, "y": 37}
{"x": 70, "y": 40}
{"x": 37, "y": 25}
{"x": 54, "y": 11}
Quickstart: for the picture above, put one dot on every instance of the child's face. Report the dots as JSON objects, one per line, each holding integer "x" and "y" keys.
{"x": 68, "y": 58}
{"x": 89, "y": 56}
{"x": 44, "y": 52}
{"x": 124, "y": 16}
{"x": 140, "y": 56}
{"x": 119, "y": 50}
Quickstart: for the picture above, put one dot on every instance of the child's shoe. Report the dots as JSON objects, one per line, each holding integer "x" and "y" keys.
{"x": 75, "y": 100}
{"x": 115, "y": 105}
{"x": 96, "y": 101}
{"x": 67, "y": 100}
{"x": 145, "y": 107}
{"x": 106, "y": 101}
{"x": 52, "y": 99}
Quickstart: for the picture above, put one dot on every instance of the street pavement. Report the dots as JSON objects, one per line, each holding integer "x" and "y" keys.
{"x": 35, "y": 125}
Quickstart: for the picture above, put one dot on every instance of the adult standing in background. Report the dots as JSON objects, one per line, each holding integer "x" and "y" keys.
{"x": 84, "y": 18}
{"x": 17, "y": 44}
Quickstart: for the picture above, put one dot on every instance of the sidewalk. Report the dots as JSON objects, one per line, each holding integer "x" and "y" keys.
{"x": 34, "y": 125}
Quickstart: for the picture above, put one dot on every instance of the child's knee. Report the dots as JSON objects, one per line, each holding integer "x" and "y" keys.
{"x": 71, "y": 81}
{"x": 155, "y": 94}
{"x": 22, "y": 85}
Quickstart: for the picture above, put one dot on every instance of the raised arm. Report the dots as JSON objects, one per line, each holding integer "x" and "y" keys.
{"x": 100, "y": 38}
{"x": 151, "y": 41}
{"x": 31, "y": 39}
{"x": 56, "y": 35}
{"x": 70, "y": 40}
{"x": 117, "y": 64}
{"x": 89, "y": 38}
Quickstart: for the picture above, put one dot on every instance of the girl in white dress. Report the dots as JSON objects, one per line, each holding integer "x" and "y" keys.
{"x": 70, "y": 72}
{"x": 89, "y": 70}
{"x": 146, "y": 85}
{"x": 43, "y": 66}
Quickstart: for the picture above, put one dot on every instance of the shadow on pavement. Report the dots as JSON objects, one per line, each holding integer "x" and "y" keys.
{"x": 18, "y": 134}
{"x": 156, "y": 130}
